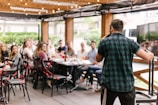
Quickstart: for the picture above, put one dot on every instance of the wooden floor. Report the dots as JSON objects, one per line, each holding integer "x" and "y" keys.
{"x": 77, "y": 97}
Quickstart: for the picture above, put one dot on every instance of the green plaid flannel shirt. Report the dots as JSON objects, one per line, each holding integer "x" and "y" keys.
{"x": 117, "y": 73}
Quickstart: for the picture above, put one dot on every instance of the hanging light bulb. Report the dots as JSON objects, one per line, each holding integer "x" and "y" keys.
{"x": 9, "y": 3}
{"x": 72, "y": 7}
{"x": 53, "y": 11}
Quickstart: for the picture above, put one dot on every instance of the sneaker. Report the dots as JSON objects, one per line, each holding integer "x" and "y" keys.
{"x": 82, "y": 79}
{"x": 49, "y": 83}
{"x": 98, "y": 90}
{"x": 90, "y": 87}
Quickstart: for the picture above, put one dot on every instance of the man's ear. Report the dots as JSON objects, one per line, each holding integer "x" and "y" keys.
{"x": 111, "y": 29}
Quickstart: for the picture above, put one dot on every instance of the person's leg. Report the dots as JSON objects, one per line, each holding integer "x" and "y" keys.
{"x": 78, "y": 72}
{"x": 127, "y": 98}
{"x": 98, "y": 76}
{"x": 91, "y": 70}
{"x": 108, "y": 97}
{"x": 90, "y": 74}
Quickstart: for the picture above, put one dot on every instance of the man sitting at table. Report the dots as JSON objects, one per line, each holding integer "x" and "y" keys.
{"x": 82, "y": 53}
{"x": 91, "y": 57}
{"x": 61, "y": 47}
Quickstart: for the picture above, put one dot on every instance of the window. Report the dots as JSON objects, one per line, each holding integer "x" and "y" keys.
{"x": 124, "y": 32}
{"x": 132, "y": 32}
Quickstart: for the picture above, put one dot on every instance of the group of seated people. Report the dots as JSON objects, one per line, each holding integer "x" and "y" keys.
{"x": 46, "y": 50}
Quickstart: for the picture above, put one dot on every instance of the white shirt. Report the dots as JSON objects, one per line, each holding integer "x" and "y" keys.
{"x": 81, "y": 54}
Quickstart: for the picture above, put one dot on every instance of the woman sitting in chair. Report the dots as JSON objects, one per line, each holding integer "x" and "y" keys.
{"x": 14, "y": 57}
{"x": 41, "y": 51}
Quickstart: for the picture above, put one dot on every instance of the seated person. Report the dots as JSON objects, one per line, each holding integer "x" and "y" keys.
{"x": 91, "y": 57}
{"x": 3, "y": 52}
{"x": 70, "y": 52}
{"x": 92, "y": 69}
{"x": 15, "y": 56}
{"x": 61, "y": 47}
{"x": 82, "y": 53}
{"x": 40, "y": 51}
{"x": 15, "y": 59}
{"x": 98, "y": 76}
{"x": 51, "y": 49}
{"x": 26, "y": 52}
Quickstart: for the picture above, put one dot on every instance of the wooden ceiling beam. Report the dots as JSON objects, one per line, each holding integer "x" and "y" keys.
{"x": 18, "y": 3}
{"x": 87, "y": 1}
{"x": 30, "y": 4}
{"x": 4, "y": 9}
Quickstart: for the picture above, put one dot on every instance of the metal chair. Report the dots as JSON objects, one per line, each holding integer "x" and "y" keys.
{"x": 2, "y": 87}
{"x": 21, "y": 80}
{"x": 57, "y": 80}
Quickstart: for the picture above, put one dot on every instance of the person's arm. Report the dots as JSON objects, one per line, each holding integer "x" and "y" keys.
{"x": 15, "y": 60}
{"x": 146, "y": 55}
{"x": 99, "y": 57}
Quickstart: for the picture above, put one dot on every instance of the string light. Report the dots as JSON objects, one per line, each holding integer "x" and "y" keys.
{"x": 58, "y": 9}
{"x": 53, "y": 11}
{"x": 9, "y": 3}
{"x": 76, "y": 6}
{"x": 58, "y": 3}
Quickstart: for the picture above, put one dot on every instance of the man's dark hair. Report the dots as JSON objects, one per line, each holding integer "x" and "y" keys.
{"x": 117, "y": 24}
{"x": 60, "y": 40}
{"x": 93, "y": 41}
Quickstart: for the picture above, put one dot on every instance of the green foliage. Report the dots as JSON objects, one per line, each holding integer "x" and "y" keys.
{"x": 54, "y": 39}
{"x": 92, "y": 35}
{"x": 17, "y": 37}
{"x": 148, "y": 36}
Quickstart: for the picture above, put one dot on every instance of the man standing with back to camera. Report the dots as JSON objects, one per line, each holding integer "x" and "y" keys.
{"x": 117, "y": 74}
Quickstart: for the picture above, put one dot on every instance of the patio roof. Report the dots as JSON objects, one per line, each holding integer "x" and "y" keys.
{"x": 51, "y": 9}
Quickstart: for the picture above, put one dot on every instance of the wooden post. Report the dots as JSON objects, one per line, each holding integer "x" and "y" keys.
{"x": 69, "y": 30}
{"x": 44, "y": 31}
{"x": 106, "y": 21}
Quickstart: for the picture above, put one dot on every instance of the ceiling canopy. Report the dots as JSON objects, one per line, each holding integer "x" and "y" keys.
{"x": 50, "y": 9}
